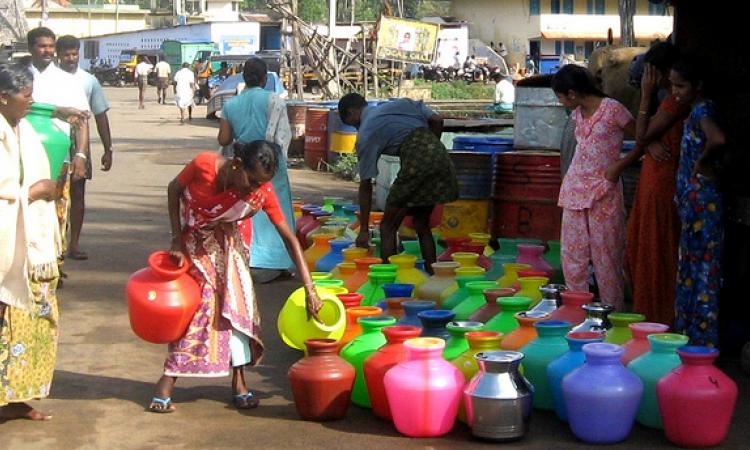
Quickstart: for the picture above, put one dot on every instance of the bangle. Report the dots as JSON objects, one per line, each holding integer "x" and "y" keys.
{"x": 82, "y": 156}
{"x": 643, "y": 112}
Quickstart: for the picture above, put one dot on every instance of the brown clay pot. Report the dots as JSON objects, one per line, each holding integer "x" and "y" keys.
{"x": 491, "y": 308}
{"x": 321, "y": 382}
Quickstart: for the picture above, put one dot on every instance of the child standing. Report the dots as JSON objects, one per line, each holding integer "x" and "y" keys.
{"x": 699, "y": 206}
{"x": 593, "y": 222}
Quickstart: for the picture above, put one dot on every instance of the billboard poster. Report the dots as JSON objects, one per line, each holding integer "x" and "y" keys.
{"x": 406, "y": 40}
{"x": 452, "y": 47}
{"x": 238, "y": 45}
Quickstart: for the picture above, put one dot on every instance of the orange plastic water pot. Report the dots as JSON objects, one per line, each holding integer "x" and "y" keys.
{"x": 162, "y": 299}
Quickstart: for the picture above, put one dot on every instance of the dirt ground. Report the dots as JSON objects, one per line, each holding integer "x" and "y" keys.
{"x": 105, "y": 374}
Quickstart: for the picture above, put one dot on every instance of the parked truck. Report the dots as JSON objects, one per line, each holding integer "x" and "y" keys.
{"x": 176, "y": 52}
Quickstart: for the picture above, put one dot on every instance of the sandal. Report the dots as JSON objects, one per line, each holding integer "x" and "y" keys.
{"x": 78, "y": 255}
{"x": 245, "y": 401}
{"x": 161, "y": 405}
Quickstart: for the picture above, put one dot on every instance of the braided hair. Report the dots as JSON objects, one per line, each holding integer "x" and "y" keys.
{"x": 257, "y": 154}
{"x": 254, "y": 72}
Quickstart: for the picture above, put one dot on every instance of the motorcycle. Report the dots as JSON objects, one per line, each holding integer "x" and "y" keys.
{"x": 435, "y": 73}
{"x": 470, "y": 74}
{"x": 106, "y": 74}
{"x": 479, "y": 73}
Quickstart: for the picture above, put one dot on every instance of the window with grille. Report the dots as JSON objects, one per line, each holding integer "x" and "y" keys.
{"x": 534, "y": 7}
{"x": 90, "y": 49}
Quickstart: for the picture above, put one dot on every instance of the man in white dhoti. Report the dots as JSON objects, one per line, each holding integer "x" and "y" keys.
{"x": 184, "y": 91}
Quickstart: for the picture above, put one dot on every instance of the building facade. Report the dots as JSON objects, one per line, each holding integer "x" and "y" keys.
{"x": 547, "y": 28}
{"x": 86, "y": 20}
{"x": 230, "y": 37}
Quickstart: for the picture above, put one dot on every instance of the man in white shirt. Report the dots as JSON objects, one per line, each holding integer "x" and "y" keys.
{"x": 68, "y": 55}
{"x": 141, "y": 78}
{"x": 163, "y": 70}
{"x": 505, "y": 93}
{"x": 57, "y": 87}
{"x": 184, "y": 91}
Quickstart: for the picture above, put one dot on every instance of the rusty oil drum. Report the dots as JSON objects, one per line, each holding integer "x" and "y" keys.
{"x": 316, "y": 137}
{"x": 526, "y": 186}
{"x": 296, "y": 113}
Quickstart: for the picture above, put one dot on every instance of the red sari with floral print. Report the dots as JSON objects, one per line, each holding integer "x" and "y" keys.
{"x": 216, "y": 235}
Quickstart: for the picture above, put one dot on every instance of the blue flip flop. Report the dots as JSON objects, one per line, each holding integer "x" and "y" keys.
{"x": 164, "y": 405}
{"x": 245, "y": 401}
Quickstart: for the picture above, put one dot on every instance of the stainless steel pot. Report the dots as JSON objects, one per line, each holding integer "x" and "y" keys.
{"x": 551, "y": 299}
{"x": 498, "y": 399}
{"x": 596, "y": 317}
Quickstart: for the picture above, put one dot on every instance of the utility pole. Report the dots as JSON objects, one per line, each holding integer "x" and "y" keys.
{"x": 333, "y": 85}
{"x": 298, "y": 73}
{"x": 45, "y": 13}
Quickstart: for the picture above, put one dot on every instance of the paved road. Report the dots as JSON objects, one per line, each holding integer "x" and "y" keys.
{"x": 105, "y": 373}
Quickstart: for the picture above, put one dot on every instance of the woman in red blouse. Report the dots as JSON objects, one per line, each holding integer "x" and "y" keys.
{"x": 210, "y": 204}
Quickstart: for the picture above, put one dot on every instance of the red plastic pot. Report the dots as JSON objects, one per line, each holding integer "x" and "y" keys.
{"x": 162, "y": 299}
{"x": 696, "y": 399}
{"x": 375, "y": 367}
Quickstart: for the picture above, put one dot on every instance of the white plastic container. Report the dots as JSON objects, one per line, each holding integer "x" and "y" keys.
{"x": 388, "y": 167}
{"x": 540, "y": 119}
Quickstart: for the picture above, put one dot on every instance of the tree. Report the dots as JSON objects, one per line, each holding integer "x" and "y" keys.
{"x": 253, "y": 5}
{"x": 315, "y": 11}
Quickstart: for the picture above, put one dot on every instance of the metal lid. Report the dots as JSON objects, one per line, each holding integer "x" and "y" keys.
{"x": 500, "y": 356}
{"x": 598, "y": 307}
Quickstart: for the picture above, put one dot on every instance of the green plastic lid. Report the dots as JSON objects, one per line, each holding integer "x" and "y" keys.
{"x": 383, "y": 268}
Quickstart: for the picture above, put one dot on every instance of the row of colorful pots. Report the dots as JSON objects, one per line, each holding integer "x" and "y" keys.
{"x": 325, "y": 244}
{"x": 581, "y": 381}
{"x": 340, "y": 217}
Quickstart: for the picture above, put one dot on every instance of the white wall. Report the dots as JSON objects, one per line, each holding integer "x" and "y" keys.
{"x": 111, "y": 45}
{"x": 221, "y": 10}
{"x": 509, "y": 22}
{"x": 79, "y": 24}
{"x": 506, "y": 21}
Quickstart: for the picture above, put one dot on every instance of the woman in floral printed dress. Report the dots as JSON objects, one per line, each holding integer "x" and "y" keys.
{"x": 593, "y": 222}
{"x": 699, "y": 205}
